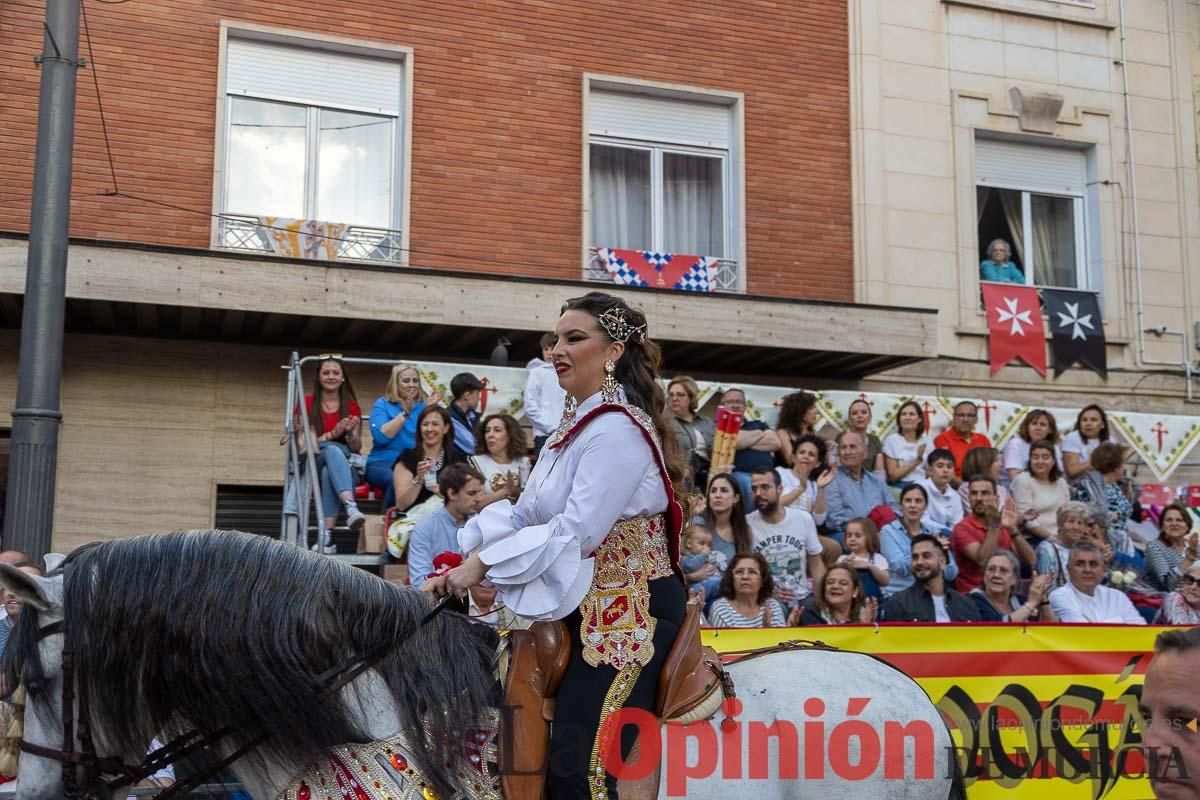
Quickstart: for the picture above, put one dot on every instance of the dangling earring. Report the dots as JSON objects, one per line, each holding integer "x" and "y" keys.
{"x": 569, "y": 405}
{"x": 610, "y": 388}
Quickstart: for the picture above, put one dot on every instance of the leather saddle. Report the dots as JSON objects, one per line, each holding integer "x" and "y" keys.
{"x": 691, "y": 687}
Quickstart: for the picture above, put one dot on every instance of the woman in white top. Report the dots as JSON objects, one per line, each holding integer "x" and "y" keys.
{"x": 904, "y": 450}
{"x": 500, "y": 458}
{"x": 803, "y": 484}
{"x": 1038, "y": 426}
{"x": 602, "y": 492}
{"x": 1040, "y": 492}
{"x": 1091, "y": 430}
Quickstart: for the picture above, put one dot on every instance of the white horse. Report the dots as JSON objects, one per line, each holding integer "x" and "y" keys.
{"x": 212, "y": 630}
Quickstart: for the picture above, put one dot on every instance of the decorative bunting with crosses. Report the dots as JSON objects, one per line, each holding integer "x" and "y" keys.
{"x": 998, "y": 420}
{"x": 1161, "y": 440}
{"x": 660, "y": 270}
{"x": 1076, "y": 330}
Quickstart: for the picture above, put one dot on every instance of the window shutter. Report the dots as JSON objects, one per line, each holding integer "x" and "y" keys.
{"x": 313, "y": 77}
{"x": 653, "y": 118}
{"x": 1035, "y": 168}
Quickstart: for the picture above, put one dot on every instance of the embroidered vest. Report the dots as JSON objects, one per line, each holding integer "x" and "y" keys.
{"x": 617, "y": 628}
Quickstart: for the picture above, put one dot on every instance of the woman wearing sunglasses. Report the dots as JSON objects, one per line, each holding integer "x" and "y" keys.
{"x": 1182, "y": 606}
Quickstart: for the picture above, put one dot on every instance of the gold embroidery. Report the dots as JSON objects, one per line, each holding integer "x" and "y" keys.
{"x": 384, "y": 770}
{"x": 617, "y": 628}
{"x": 614, "y": 699}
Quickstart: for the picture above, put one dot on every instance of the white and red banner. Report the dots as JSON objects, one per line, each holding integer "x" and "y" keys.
{"x": 1015, "y": 327}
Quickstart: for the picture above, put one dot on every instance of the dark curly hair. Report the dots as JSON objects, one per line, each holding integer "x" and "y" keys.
{"x": 822, "y": 453}
{"x": 516, "y": 437}
{"x": 637, "y": 371}
{"x": 792, "y": 410}
{"x": 725, "y": 588}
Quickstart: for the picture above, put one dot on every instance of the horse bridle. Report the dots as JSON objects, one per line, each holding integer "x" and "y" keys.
{"x": 111, "y": 772}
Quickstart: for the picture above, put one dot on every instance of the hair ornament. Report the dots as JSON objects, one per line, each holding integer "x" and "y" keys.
{"x": 618, "y": 327}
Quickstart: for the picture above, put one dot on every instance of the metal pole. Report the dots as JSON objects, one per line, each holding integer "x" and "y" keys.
{"x": 29, "y": 516}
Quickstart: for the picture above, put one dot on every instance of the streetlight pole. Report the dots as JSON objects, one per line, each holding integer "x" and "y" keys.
{"x": 29, "y": 514}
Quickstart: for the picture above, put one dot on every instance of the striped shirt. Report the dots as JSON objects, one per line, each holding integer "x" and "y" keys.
{"x": 723, "y": 615}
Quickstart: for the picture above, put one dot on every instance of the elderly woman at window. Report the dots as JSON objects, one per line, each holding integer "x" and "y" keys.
{"x": 998, "y": 267}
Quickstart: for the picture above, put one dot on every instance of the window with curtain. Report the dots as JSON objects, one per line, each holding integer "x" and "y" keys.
{"x": 659, "y": 171}
{"x": 1044, "y": 234}
{"x": 310, "y": 133}
{"x": 306, "y": 162}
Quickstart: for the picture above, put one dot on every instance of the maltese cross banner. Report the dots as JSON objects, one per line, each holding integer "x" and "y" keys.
{"x": 1014, "y": 325}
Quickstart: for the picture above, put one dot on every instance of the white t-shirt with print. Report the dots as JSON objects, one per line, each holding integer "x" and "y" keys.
{"x": 786, "y": 546}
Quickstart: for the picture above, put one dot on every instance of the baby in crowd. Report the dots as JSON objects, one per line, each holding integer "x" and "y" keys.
{"x": 698, "y": 553}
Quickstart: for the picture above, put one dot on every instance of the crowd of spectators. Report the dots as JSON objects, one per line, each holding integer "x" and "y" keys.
{"x": 803, "y": 528}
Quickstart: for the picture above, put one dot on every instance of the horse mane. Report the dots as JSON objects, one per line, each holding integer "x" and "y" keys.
{"x": 217, "y": 628}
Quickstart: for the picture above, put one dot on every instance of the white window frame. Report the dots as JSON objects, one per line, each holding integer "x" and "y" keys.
{"x": 733, "y": 175}
{"x": 401, "y": 134}
{"x": 1082, "y": 272}
{"x": 657, "y": 184}
{"x": 312, "y": 137}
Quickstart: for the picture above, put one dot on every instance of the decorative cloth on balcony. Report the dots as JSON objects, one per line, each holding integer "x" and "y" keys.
{"x": 1076, "y": 330}
{"x": 1014, "y": 325}
{"x": 660, "y": 270}
{"x": 303, "y": 238}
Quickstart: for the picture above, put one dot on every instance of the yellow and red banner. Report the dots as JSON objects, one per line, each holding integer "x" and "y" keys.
{"x": 1038, "y": 711}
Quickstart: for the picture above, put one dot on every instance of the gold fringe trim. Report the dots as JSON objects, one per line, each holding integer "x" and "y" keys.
{"x": 614, "y": 699}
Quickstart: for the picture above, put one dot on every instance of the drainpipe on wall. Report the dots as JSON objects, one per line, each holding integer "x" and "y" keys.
{"x": 1137, "y": 239}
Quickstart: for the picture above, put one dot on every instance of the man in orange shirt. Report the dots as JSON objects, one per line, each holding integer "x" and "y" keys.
{"x": 961, "y": 437}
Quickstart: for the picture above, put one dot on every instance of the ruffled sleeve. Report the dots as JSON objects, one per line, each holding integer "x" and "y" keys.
{"x": 542, "y": 571}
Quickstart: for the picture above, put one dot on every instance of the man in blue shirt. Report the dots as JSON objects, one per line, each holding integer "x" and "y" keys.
{"x": 854, "y": 490}
{"x": 466, "y": 390}
{"x": 997, "y": 267}
{"x": 462, "y": 487}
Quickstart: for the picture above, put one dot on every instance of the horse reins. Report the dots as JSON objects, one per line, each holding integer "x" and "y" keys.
{"x": 112, "y": 772}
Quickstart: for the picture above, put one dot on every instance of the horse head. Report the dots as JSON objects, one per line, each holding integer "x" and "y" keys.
{"x": 34, "y": 661}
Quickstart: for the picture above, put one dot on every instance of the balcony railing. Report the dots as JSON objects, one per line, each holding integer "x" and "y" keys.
{"x": 726, "y": 274}
{"x": 237, "y": 232}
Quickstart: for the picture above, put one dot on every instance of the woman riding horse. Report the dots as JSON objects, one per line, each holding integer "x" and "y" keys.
{"x": 594, "y": 539}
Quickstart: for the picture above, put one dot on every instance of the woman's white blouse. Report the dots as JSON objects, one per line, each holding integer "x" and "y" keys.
{"x": 538, "y": 551}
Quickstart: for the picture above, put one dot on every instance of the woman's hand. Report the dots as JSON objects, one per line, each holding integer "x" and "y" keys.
{"x": 423, "y": 466}
{"x": 826, "y": 478}
{"x": 920, "y": 457}
{"x": 793, "y": 620}
{"x": 513, "y": 482}
{"x": 457, "y": 581}
{"x": 435, "y": 587}
{"x": 435, "y": 398}
{"x": 870, "y": 610}
{"x": 1038, "y": 587}
{"x": 465, "y": 575}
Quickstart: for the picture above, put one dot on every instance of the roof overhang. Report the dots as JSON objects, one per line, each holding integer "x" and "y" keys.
{"x": 213, "y": 295}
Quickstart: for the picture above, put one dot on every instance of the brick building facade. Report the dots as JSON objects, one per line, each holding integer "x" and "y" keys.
{"x": 485, "y": 149}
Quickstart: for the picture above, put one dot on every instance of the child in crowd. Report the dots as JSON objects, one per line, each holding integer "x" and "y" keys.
{"x": 945, "y": 509}
{"x": 698, "y": 553}
{"x": 862, "y": 542}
